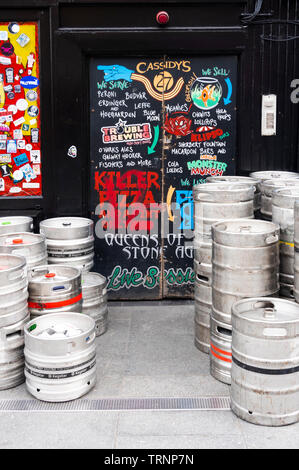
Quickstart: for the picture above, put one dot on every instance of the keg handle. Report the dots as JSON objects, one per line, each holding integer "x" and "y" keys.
{"x": 271, "y": 239}
{"x": 90, "y": 338}
{"x": 66, "y": 224}
{"x": 203, "y": 279}
{"x": 14, "y": 335}
{"x": 39, "y": 270}
{"x": 64, "y": 287}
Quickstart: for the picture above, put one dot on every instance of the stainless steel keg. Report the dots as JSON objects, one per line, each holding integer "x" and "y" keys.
{"x": 29, "y": 245}
{"x": 245, "y": 264}
{"x": 220, "y": 350}
{"x": 272, "y": 174}
{"x": 203, "y": 303}
{"x": 54, "y": 289}
{"x": 283, "y": 201}
{"x": 12, "y": 354}
{"x": 267, "y": 188}
{"x": 69, "y": 241}
{"x": 240, "y": 179}
{"x": 265, "y": 361}
{"x": 16, "y": 224}
{"x": 94, "y": 293}
{"x": 13, "y": 289}
{"x": 60, "y": 356}
{"x": 213, "y": 202}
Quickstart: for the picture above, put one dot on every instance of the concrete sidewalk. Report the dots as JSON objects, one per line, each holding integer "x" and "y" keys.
{"x": 147, "y": 352}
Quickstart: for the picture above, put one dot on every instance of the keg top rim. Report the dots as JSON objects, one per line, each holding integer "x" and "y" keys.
{"x": 91, "y": 279}
{"x": 280, "y": 183}
{"x": 60, "y": 222}
{"x": 263, "y": 174}
{"x": 232, "y": 178}
{"x": 225, "y": 185}
{"x": 61, "y": 271}
{"x": 49, "y": 320}
{"x": 245, "y": 226}
{"x": 287, "y": 192}
{"x": 15, "y": 219}
{"x": 271, "y": 310}
{"x": 8, "y": 256}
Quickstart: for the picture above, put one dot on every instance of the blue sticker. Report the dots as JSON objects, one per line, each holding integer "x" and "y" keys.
{"x": 21, "y": 159}
{"x": 29, "y": 82}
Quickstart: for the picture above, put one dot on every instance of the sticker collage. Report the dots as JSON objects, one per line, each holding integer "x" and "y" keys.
{"x": 20, "y": 151}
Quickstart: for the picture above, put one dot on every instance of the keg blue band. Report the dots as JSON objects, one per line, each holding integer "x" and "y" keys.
{"x": 260, "y": 370}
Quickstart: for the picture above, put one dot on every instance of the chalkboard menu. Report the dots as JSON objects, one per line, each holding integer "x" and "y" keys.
{"x": 158, "y": 126}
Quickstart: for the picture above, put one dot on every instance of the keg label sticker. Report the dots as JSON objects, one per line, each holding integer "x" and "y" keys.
{"x": 20, "y": 107}
{"x": 65, "y": 254}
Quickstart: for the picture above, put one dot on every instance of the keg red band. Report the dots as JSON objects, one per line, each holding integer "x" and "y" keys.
{"x": 62, "y": 303}
{"x": 225, "y": 359}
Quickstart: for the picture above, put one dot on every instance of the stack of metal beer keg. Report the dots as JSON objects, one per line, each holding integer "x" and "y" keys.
{"x": 60, "y": 358}
{"x": 254, "y": 334}
{"x": 13, "y": 316}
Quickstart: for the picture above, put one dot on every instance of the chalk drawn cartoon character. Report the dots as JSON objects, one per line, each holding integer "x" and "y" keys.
{"x": 179, "y": 124}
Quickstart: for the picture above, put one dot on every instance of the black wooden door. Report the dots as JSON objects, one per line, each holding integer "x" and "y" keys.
{"x": 158, "y": 126}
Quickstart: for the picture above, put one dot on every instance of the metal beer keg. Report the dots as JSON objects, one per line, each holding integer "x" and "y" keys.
{"x": 267, "y": 190}
{"x": 245, "y": 263}
{"x": 283, "y": 201}
{"x": 16, "y": 224}
{"x": 265, "y": 361}
{"x": 13, "y": 289}
{"x": 94, "y": 293}
{"x": 29, "y": 245}
{"x": 240, "y": 179}
{"x": 213, "y": 202}
{"x": 69, "y": 241}
{"x": 54, "y": 289}
{"x": 60, "y": 356}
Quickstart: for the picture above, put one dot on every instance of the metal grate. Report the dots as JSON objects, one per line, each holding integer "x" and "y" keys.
{"x": 199, "y": 403}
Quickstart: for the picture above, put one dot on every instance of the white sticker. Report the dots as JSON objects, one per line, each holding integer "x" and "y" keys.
{"x": 2, "y": 144}
{"x": 5, "y": 60}
{"x": 35, "y": 156}
{"x": 36, "y": 169}
{"x": 28, "y": 147}
{"x": 3, "y": 136}
{"x": 32, "y": 122}
{"x": 23, "y": 40}
{"x": 19, "y": 121}
{"x": 21, "y": 144}
{"x": 22, "y": 104}
{"x": 3, "y": 35}
{"x": 15, "y": 189}
{"x": 12, "y": 109}
{"x": 17, "y": 134}
{"x": 5, "y": 158}
{"x": 17, "y": 176}
{"x": 2, "y": 184}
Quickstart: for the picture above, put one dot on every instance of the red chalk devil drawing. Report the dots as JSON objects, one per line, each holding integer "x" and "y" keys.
{"x": 178, "y": 124}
